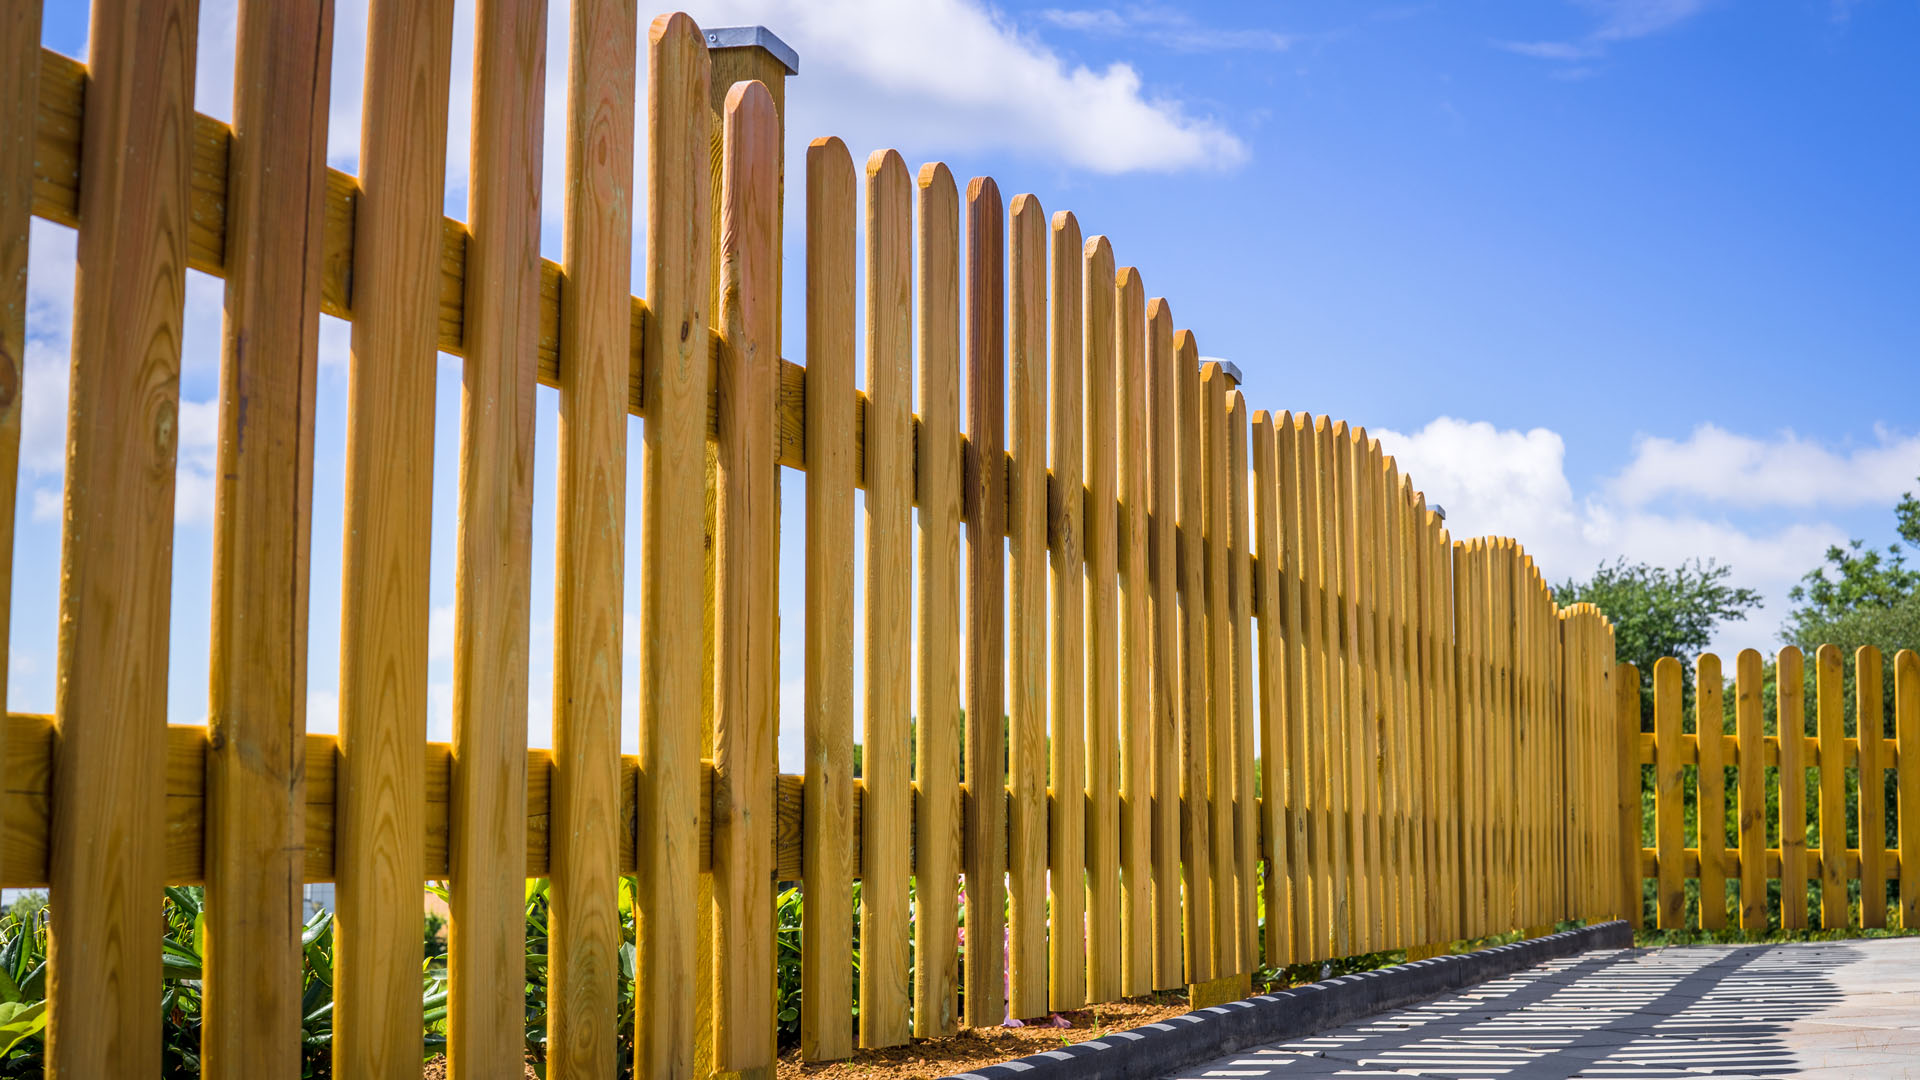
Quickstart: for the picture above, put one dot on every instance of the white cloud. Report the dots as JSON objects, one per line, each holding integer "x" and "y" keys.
{"x": 1716, "y": 465}
{"x": 46, "y": 504}
{"x": 440, "y": 633}
{"x": 323, "y": 712}
{"x": 1615, "y": 21}
{"x": 953, "y": 75}
{"x": 198, "y": 449}
{"x": 1167, "y": 27}
{"x": 1503, "y": 482}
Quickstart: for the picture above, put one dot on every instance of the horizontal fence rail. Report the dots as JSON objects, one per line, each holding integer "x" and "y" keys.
{"x": 1239, "y": 698}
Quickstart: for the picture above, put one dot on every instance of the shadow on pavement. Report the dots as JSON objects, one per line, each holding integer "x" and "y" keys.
{"x": 1713, "y": 1011}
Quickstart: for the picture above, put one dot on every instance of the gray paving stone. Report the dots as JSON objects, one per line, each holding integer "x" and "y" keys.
{"x": 1826, "y": 1010}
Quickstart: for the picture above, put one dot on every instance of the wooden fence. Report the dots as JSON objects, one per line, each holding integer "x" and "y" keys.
{"x": 1814, "y": 801}
{"x": 1276, "y": 715}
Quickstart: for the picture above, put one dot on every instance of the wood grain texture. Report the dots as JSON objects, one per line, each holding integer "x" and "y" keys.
{"x": 746, "y": 604}
{"x": 1066, "y": 509}
{"x": 1163, "y": 510}
{"x": 487, "y": 841}
{"x": 1027, "y": 988}
{"x": 1136, "y": 642}
{"x": 590, "y": 541}
{"x": 985, "y": 508}
{"x": 19, "y": 130}
{"x": 1870, "y": 730}
{"x": 1503, "y": 801}
{"x": 826, "y": 924}
{"x": 1906, "y": 723}
{"x": 1468, "y": 795}
{"x": 1216, "y": 529}
{"x": 1270, "y": 671}
{"x": 1710, "y": 791}
{"x": 117, "y": 540}
{"x": 886, "y": 760}
{"x": 1195, "y": 748}
{"x": 1791, "y": 720}
{"x": 1351, "y": 766}
{"x": 1625, "y": 723}
{"x": 1401, "y": 764}
{"x": 1241, "y": 748}
{"x": 1369, "y": 796}
{"x": 1328, "y": 501}
{"x": 1102, "y": 615}
{"x": 384, "y": 610}
{"x": 1416, "y": 759}
{"x": 1748, "y": 729}
{"x": 256, "y": 701}
{"x": 937, "y": 703}
{"x": 1299, "y": 598}
{"x": 1667, "y": 791}
{"x": 679, "y": 260}
{"x": 1832, "y": 718}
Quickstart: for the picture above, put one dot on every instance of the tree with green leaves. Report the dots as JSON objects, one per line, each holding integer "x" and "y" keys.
{"x": 1857, "y": 595}
{"x": 1659, "y": 612}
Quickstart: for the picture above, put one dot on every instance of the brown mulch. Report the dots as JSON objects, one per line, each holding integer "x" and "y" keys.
{"x": 436, "y": 1069}
{"x": 924, "y": 1059}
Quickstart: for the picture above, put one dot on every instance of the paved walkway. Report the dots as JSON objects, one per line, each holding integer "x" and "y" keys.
{"x": 1826, "y": 1010}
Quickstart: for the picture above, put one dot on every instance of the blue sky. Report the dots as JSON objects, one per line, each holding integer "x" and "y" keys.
{"x": 1616, "y": 277}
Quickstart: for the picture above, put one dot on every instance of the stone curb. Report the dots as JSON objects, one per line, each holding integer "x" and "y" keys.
{"x": 1155, "y": 1050}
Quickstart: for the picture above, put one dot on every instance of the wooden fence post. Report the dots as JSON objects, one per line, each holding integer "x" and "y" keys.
{"x": 675, "y": 389}
{"x": 116, "y": 567}
{"x": 257, "y": 753}
{"x": 827, "y": 834}
{"x": 937, "y": 702}
{"x": 380, "y": 849}
{"x": 986, "y": 517}
{"x": 886, "y": 758}
{"x": 589, "y": 542}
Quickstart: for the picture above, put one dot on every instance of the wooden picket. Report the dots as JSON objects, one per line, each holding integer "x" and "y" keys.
{"x": 1227, "y": 692}
{"x": 1852, "y": 867}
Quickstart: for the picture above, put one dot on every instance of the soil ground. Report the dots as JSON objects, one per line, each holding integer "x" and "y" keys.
{"x": 924, "y": 1059}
